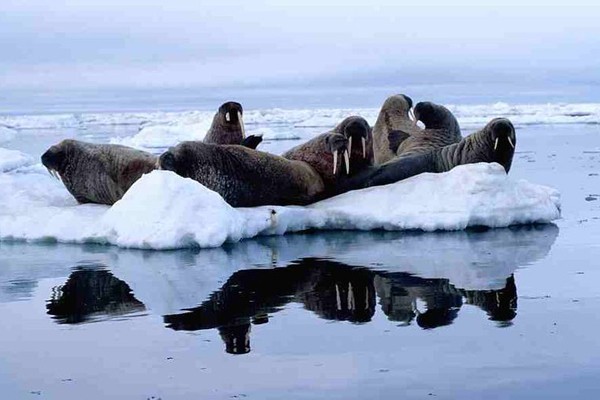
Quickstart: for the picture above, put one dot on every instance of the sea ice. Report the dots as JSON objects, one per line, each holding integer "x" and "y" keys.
{"x": 13, "y": 159}
{"x": 165, "y": 211}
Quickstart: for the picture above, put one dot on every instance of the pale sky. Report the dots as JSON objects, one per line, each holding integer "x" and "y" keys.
{"x": 172, "y": 43}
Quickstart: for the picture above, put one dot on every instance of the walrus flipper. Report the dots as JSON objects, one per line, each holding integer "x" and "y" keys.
{"x": 395, "y": 139}
{"x": 252, "y": 141}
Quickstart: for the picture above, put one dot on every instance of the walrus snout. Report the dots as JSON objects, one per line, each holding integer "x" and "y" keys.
{"x": 504, "y": 141}
{"x": 50, "y": 159}
{"x": 232, "y": 112}
{"x": 337, "y": 143}
{"x": 357, "y": 130}
{"x": 53, "y": 160}
{"x": 503, "y": 130}
{"x": 167, "y": 162}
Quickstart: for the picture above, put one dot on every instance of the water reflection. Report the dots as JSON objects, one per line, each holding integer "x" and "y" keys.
{"x": 91, "y": 293}
{"x": 414, "y": 279}
{"x": 336, "y": 291}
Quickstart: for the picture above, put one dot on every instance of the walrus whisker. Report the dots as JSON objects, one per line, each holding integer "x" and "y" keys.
{"x": 335, "y": 157}
{"x": 227, "y": 118}
{"x": 496, "y": 144}
{"x": 364, "y": 144}
{"x": 511, "y": 143}
{"x": 347, "y": 159}
{"x": 350, "y": 144}
{"x": 241, "y": 122}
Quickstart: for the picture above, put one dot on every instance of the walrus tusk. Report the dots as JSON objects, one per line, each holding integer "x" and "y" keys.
{"x": 241, "y": 121}
{"x": 350, "y": 144}
{"x": 50, "y": 172}
{"x": 364, "y": 143}
{"x": 411, "y": 115}
{"x": 335, "y": 153}
{"x": 511, "y": 143}
{"x": 227, "y": 118}
{"x": 496, "y": 144}
{"x": 347, "y": 159}
{"x": 54, "y": 174}
{"x": 338, "y": 299}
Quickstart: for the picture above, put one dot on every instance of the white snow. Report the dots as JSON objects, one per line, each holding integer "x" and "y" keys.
{"x": 165, "y": 211}
{"x": 163, "y": 136}
{"x": 13, "y": 159}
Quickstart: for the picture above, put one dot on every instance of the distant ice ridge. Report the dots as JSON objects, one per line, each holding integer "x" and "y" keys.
{"x": 470, "y": 116}
{"x": 165, "y": 211}
{"x": 159, "y": 130}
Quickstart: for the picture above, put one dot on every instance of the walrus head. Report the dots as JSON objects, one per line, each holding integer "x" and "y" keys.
{"x": 55, "y": 159}
{"x": 231, "y": 115}
{"x": 351, "y": 130}
{"x": 357, "y": 130}
{"x": 435, "y": 116}
{"x": 398, "y": 104}
{"x": 503, "y": 139}
{"x": 168, "y": 161}
{"x": 184, "y": 158}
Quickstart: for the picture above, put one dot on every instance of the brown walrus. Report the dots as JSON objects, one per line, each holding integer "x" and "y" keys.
{"x": 242, "y": 176}
{"x": 441, "y": 129}
{"x": 494, "y": 143}
{"x": 341, "y": 152}
{"x": 394, "y": 116}
{"x": 228, "y": 127}
{"x": 97, "y": 173}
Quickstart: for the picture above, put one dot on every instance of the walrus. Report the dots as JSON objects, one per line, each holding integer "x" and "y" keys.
{"x": 494, "y": 143}
{"x": 228, "y": 127}
{"x": 97, "y": 173}
{"x": 441, "y": 129}
{"x": 343, "y": 151}
{"x": 395, "y": 115}
{"x": 242, "y": 176}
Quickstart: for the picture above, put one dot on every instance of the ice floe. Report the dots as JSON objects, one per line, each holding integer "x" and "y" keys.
{"x": 165, "y": 211}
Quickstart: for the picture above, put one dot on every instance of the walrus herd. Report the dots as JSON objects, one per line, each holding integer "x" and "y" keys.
{"x": 349, "y": 157}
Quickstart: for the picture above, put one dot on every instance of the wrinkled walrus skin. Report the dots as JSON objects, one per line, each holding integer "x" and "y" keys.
{"x": 97, "y": 173}
{"x": 242, "y": 176}
{"x": 494, "y": 143}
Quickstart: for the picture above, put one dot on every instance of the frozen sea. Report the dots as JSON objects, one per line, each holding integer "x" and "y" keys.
{"x": 470, "y": 313}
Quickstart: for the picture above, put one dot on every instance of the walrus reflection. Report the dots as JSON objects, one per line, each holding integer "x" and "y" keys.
{"x": 236, "y": 338}
{"x": 338, "y": 292}
{"x": 89, "y": 293}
